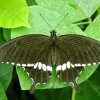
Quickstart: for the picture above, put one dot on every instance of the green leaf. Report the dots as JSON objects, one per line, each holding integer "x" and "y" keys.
{"x": 7, "y": 34}
{"x": 77, "y": 9}
{"x": 6, "y": 74}
{"x": 54, "y": 94}
{"x": 25, "y": 81}
{"x": 2, "y": 93}
{"x": 64, "y": 6}
{"x": 90, "y": 89}
{"x": 2, "y": 40}
{"x": 13, "y": 13}
{"x": 88, "y": 6}
{"x": 39, "y": 26}
{"x": 88, "y": 71}
{"x": 31, "y": 2}
{"x": 93, "y": 30}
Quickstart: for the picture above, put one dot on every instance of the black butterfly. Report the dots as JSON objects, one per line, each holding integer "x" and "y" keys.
{"x": 38, "y": 53}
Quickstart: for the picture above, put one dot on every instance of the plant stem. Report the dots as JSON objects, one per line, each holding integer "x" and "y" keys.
{"x": 73, "y": 93}
{"x": 81, "y": 23}
{"x": 98, "y": 11}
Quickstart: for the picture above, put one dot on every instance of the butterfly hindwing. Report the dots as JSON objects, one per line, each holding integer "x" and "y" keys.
{"x": 70, "y": 75}
{"x": 39, "y": 74}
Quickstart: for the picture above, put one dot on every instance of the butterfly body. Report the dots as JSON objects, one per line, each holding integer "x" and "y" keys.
{"x": 38, "y": 54}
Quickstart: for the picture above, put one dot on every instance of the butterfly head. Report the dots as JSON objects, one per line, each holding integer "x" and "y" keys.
{"x": 53, "y": 35}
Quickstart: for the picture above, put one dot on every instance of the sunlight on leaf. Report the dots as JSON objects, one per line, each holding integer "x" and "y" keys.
{"x": 39, "y": 26}
{"x": 13, "y": 13}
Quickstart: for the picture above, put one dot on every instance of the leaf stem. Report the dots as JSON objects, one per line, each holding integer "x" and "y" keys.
{"x": 98, "y": 11}
{"x": 73, "y": 93}
{"x": 82, "y": 23}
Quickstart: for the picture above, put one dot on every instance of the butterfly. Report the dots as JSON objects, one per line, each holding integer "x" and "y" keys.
{"x": 38, "y": 54}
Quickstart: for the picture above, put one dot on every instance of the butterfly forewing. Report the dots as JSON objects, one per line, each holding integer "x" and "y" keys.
{"x": 78, "y": 49}
{"x": 28, "y": 49}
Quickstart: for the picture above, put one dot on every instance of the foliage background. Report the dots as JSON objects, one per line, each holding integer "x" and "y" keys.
{"x": 22, "y": 17}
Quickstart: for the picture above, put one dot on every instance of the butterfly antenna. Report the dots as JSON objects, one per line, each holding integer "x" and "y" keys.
{"x": 61, "y": 21}
{"x": 46, "y": 21}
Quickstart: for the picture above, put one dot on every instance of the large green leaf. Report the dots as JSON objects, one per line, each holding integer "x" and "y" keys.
{"x": 88, "y": 6}
{"x": 7, "y": 34}
{"x": 2, "y": 92}
{"x": 13, "y": 13}
{"x": 31, "y": 2}
{"x": 2, "y": 40}
{"x": 93, "y": 30}
{"x": 63, "y": 7}
{"x": 54, "y": 94}
{"x": 6, "y": 74}
{"x": 25, "y": 85}
{"x": 88, "y": 71}
{"x": 77, "y": 9}
{"x": 39, "y": 26}
{"x": 90, "y": 89}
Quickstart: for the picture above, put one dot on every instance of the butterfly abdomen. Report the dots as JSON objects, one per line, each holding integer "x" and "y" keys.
{"x": 54, "y": 56}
